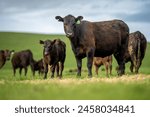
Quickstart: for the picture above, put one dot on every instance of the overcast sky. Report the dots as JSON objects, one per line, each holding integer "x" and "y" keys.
{"x": 39, "y": 15}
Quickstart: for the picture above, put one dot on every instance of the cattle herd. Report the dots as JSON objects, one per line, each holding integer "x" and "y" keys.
{"x": 97, "y": 41}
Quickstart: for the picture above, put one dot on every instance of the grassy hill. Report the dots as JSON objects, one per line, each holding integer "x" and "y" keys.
{"x": 129, "y": 86}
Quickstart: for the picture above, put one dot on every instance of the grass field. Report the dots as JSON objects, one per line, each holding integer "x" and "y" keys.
{"x": 129, "y": 86}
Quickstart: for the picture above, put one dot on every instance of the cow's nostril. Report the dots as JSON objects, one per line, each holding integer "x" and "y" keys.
{"x": 46, "y": 53}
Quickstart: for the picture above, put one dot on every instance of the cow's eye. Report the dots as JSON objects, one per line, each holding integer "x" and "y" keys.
{"x": 65, "y": 24}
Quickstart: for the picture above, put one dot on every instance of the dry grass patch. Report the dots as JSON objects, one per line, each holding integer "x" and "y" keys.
{"x": 68, "y": 81}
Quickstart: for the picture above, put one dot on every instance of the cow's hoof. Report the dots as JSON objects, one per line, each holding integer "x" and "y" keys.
{"x": 78, "y": 75}
{"x": 90, "y": 76}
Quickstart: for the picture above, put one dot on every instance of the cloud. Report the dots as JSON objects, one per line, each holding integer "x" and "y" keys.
{"x": 39, "y": 15}
{"x": 140, "y": 12}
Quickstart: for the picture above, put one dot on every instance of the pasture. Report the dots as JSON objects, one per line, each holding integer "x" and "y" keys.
{"x": 128, "y": 86}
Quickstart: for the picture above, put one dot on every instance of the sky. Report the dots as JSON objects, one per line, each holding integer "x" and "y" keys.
{"x": 38, "y": 16}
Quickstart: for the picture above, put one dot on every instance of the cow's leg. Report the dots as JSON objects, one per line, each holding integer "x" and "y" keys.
{"x": 138, "y": 66}
{"x": 131, "y": 67}
{"x": 79, "y": 65}
{"x": 110, "y": 68}
{"x": 61, "y": 68}
{"x": 53, "y": 71}
{"x": 45, "y": 70}
{"x": 26, "y": 70}
{"x": 106, "y": 67}
{"x": 96, "y": 69}
{"x": 121, "y": 68}
{"x": 121, "y": 63}
{"x": 90, "y": 56}
{"x": 20, "y": 71}
{"x": 33, "y": 73}
{"x": 39, "y": 72}
{"x": 33, "y": 70}
{"x": 133, "y": 62}
{"x": 57, "y": 69}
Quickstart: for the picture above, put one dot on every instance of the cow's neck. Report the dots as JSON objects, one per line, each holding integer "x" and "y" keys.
{"x": 75, "y": 40}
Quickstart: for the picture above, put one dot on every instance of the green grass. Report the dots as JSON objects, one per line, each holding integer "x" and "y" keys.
{"x": 70, "y": 87}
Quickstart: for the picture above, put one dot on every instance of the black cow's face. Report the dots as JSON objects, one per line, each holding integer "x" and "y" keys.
{"x": 69, "y": 24}
{"x": 47, "y": 46}
{"x": 7, "y": 54}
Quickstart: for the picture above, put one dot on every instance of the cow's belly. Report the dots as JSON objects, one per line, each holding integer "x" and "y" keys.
{"x": 102, "y": 53}
{"x": 106, "y": 49}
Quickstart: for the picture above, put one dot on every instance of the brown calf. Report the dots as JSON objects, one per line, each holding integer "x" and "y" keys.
{"x": 106, "y": 61}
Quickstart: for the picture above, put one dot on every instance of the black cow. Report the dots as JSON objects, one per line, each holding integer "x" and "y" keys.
{"x": 54, "y": 53}
{"x": 99, "y": 39}
{"x": 136, "y": 50}
{"x": 5, "y": 55}
{"x": 22, "y": 60}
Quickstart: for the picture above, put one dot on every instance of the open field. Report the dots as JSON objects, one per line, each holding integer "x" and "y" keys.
{"x": 129, "y": 86}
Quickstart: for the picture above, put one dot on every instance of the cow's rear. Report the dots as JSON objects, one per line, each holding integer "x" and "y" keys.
{"x": 136, "y": 50}
{"x": 22, "y": 60}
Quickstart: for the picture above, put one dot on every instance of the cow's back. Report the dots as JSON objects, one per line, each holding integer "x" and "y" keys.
{"x": 109, "y": 36}
{"x": 98, "y": 61}
{"x": 22, "y": 58}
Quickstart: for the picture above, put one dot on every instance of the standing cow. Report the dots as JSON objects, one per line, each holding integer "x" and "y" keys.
{"x": 54, "y": 53}
{"x": 22, "y": 60}
{"x": 5, "y": 55}
{"x": 99, "y": 39}
{"x": 136, "y": 50}
{"x": 106, "y": 61}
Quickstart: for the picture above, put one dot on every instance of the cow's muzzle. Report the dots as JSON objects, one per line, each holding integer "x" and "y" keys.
{"x": 69, "y": 34}
{"x": 46, "y": 53}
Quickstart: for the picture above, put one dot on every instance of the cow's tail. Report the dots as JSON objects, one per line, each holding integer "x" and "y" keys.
{"x": 138, "y": 49}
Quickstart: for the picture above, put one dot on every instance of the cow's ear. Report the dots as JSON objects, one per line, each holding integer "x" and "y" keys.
{"x": 41, "y": 42}
{"x": 54, "y": 41}
{"x": 79, "y": 18}
{"x": 59, "y": 18}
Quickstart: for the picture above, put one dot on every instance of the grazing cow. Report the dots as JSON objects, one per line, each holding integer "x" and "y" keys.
{"x": 54, "y": 53}
{"x": 38, "y": 66}
{"x": 99, "y": 39}
{"x": 136, "y": 50}
{"x": 22, "y": 60}
{"x": 106, "y": 61}
{"x": 5, "y": 55}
